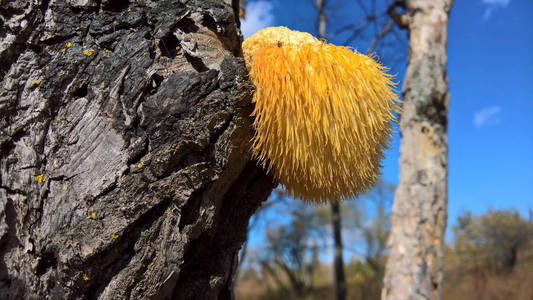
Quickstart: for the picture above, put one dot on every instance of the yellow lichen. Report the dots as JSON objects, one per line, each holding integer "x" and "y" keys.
{"x": 68, "y": 44}
{"x": 151, "y": 186}
{"x": 86, "y": 277}
{"x": 35, "y": 82}
{"x": 88, "y": 52}
{"x": 40, "y": 178}
{"x": 63, "y": 50}
{"x": 108, "y": 51}
{"x": 140, "y": 165}
{"x": 114, "y": 236}
{"x": 323, "y": 113}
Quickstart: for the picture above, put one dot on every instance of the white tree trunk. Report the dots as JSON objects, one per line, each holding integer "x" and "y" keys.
{"x": 414, "y": 267}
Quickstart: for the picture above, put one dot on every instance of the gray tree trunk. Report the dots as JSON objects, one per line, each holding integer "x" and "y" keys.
{"x": 136, "y": 116}
{"x": 414, "y": 267}
{"x": 338, "y": 264}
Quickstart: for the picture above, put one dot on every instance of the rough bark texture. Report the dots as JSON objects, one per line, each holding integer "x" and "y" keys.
{"x": 137, "y": 116}
{"x": 414, "y": 268}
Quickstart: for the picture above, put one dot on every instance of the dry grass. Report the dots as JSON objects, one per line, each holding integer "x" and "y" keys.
{"x": 476, "y": 284}
{"x": 490, "y": 284}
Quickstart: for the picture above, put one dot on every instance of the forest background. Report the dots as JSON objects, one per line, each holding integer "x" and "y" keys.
{"x": 490, "y": 217}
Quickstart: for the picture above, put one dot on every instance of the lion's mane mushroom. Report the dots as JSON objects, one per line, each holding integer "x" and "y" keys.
{"x": 323, "y": 113}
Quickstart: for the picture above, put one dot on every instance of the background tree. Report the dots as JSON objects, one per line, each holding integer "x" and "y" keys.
{"x": 494, "y": 239}
{"x": 369, "y": 218}
{"x": 298, "y": 244}
{"x": 375, "y": 229}
{"x": 338, "y": 262}
{"x": 491, "y": 257}
{"x": 292, "y": 248}
{"x": 124, "y": 164}
{"x": 414, "y": 268}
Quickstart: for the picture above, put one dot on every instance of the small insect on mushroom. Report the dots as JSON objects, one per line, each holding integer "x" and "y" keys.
{"x": 323, "y": 113}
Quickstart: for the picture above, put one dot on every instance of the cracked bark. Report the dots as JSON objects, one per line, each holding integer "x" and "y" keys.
{"x": 414, "y": 267}
{"x": 137, "y": 115}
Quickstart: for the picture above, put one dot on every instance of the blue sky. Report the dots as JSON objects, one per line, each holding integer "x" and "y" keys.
{"x": 490, "y": 70}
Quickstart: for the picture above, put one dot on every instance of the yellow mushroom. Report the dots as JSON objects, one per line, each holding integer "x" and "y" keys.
{"x": 323, "y": 113}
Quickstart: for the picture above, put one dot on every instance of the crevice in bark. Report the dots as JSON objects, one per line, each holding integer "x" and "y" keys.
{"x": 13, "y": 191}
{"x": 151, "y": 87}
{"x": 115, "y": 5}
{"x": 11, "y": 288}
{"x": 106, "y": 191}
{"x": 191, "y": 210}
{"x": 236, "y": 7}
{"x": 187, "y": 25}
{"x": 210, "y": 23}
{"x": 196, "y": 63}
{"x": 77, "y": 10}
{"x": 9, "y": 12}
{"x": 219, "y": 131}
{"x": 209, "y": 255}
{"x": 9, "y": 145}
{"x": 47, "y": 260}
{"x": 80, "y": 91}
{"x": 115, "y": 258}
{"x": 10, "y": 239}
{"x": 169, "y": 45}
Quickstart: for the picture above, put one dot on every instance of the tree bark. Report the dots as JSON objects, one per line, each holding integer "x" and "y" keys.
{"x": 414, "y": 267}
{"x": 124, "y": 163}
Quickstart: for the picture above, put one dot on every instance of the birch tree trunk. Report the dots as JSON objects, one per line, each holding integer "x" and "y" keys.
{"x": 414, "y": 267}
{"x": 124, "y": 163}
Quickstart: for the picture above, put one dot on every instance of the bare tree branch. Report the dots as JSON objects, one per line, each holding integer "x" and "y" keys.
{"x": 381, "y": 35}
{"x": 320, "y": 4}
{"x": 242, "y": 9}
{"x": 363, "y": 7}
{"x": 373, "y": 10}
{"x": 361, "y": 22}
{"x": 402, "y": 20}
{"x": 356, "y": 34}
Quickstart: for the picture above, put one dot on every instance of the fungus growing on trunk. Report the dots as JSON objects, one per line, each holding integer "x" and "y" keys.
{"x": 323, "y": 113}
